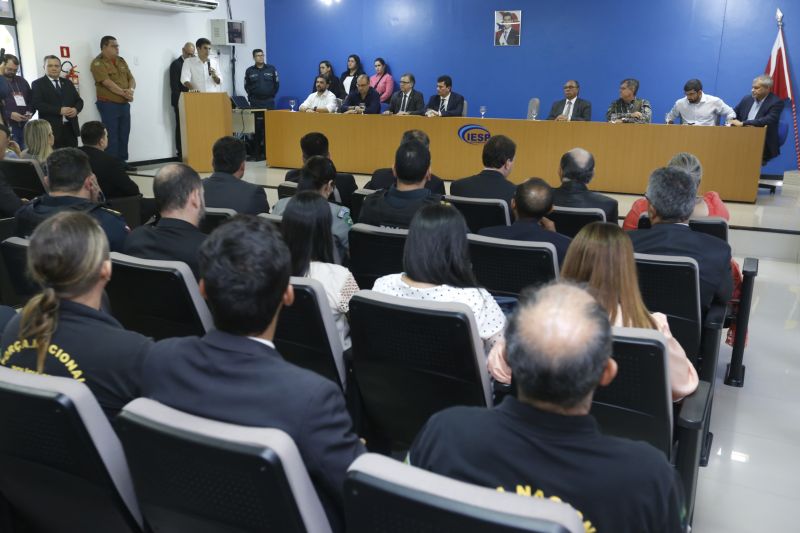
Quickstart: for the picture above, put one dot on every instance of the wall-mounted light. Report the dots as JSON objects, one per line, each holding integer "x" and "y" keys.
{"x": 330, "y": 2}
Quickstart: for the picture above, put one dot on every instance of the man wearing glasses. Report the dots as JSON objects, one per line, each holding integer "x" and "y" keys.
{"x": 571, "y": 107}
{"x": 406, "y": 101}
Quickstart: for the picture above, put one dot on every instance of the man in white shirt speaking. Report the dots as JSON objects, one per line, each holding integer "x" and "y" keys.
{"x": 201, "y": 72}
{"x": 321, "y": 101}
{"x": 698, "y": 108}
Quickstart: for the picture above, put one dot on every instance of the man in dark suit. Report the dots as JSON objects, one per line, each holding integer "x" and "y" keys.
{"x": 176, "y": 236}
{"x": 498, "y": 162}
{"x": 363, "y": 95}
{"x": 406, "y": 101}
{"x": 446, "y": 103}
{"x": 530, "y": 205}
{"x": 383, "y": 178}
{"x": 316, "y": 143}
{"x": 576, "y": 171}
{"x": 58, "y": 103}
{"x": 176, "y": 88}
{"x": 672, "y": 194}
{"x": 761, "y": 108}
{"x": 234, "y": 373}
{"x": 571, "y": 108}
{"x": 225, "y": 187}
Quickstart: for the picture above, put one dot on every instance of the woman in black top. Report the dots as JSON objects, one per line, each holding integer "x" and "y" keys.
{"x": 351, "y": 73}
{"x": 334, "y": 85}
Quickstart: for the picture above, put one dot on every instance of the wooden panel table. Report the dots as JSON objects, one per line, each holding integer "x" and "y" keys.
{"x": 205, "y": 117}
{"x": 625, "y": 154}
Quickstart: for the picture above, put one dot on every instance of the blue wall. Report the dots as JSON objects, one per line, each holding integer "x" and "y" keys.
{"x": 725, "y": 43}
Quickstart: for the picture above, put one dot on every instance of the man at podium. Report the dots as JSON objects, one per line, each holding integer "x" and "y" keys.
{"x": 201, "y": 73}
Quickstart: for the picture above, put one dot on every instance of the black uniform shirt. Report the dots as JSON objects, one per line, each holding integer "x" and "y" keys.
{"x": 393, "y": 208}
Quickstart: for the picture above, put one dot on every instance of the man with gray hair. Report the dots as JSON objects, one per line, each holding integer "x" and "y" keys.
{"x": 176, "y": 236}
{"x": 629, "y": 108}
{"x": 576, "y": 170}
{"x": 672, "y": 195}
{"x": 543, "y": 443}
{"x": 762, "y": 108}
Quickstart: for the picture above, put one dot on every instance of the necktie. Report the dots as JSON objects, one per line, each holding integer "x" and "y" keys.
{"x": 405, "y": 99}
{"x": 568, "y": 109}
{"x": 442, "y": 106}
{"x": 57, "y": 85}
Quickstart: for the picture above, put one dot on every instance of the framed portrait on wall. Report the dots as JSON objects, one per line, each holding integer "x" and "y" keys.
{"x": 507, "y": 27}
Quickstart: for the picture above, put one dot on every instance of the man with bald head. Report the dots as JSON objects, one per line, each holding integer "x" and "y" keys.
{"x": 365, "y": 96}
{"x": 530, "y": 205}
{"x": 576, "y": 170}
{"x": 176, "y": 88}
{"x": 543, "y": 443}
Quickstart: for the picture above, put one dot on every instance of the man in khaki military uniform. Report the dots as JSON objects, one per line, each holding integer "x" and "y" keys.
{"x": 115, "y": 85}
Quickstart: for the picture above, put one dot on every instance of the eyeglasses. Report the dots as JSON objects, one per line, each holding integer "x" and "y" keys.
{"x": 404, "y": 81}
{"x": 570, "y": 86}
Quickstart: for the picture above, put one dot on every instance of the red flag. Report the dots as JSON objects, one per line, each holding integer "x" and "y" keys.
{"x": 778, "y": 68}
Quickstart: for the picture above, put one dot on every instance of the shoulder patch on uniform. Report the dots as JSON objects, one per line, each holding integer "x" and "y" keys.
{"x": 96, "y": 64}
{"x": 111, "y": 211}
{"x": 343, "y": 212}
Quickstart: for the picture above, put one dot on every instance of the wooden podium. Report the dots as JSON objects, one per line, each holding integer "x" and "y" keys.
{"x": 205, "y": 117}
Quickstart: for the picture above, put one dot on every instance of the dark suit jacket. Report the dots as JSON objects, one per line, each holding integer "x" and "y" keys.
{"x": 530, "y": 230}
{"x": 768, "y": 115}
{"x": 511, "y": 40}
{"x": 226, "y": 190}
{"x": 582, "y": 109}
{"x": 415, "y": 105}
{"x": 383, "y": 178}
{"x": 241, "y": 381}
{"x": 111, "y": 175}
{"x": 713, "y": 256}
{"x": 49, "y": 103}
{"x": 487, "y": 184}
{"x": 455, "y": 105}
{"x": 9, "y": 201}
{"x": 175, "y": 85}
{"x": 169, "y": 239}
{"x": 342, "y": 194}
{"x": 576, "y": 194}
{"x": 372, "y": 102}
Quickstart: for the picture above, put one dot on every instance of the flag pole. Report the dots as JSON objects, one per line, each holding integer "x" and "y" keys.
{"x": 779, "y": 18}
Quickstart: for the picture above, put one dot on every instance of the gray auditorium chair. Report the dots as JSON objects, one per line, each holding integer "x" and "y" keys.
{"x": 413, "y": 358}
{"x": 357, "y": 200}
{"x": 24, "y": 176}
{"x": 382, "y": 494}
{"x": 306, "y": 334}
{"x": 275, "y": 219}
{"x": 214, "y": 217}
{"x": 19, "y": 287}
{"x": 714, "y": 226}
{"x": 200, "y": 475}
{"x": 505, "y": 267}
{"x": 375, "y": 252}
{"x": 287, "y": 189}
{"x": 159, "y": 299}
{"x": 481, "y": 212}
{"x": 62, "y": 467}
{"x": 570, "y": 220}
{"x": 533, "y": 109}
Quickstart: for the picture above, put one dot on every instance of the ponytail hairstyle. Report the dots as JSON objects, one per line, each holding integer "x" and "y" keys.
{"x": 65, "y": 255}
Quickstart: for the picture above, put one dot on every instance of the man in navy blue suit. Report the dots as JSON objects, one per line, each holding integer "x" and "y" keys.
{"x": 446, "y": 103}
{"x": 762, "y": 108}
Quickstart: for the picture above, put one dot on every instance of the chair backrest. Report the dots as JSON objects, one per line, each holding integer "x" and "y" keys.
{"x": 275, "y": 219}
{"x": 382, "y": 494}
{"x": 637, "y": 404}
{"x": 357, "y": 200}
{"x": 130, "y": 207}
{"x": 159, "y": 299}
{"x": 412, "y": 358}
{"x": 306, "y": 334}
{"x": 464, "y": 109}
{"x": 24, "y": 176}
{"x": 505, "y": 267}
{"x": 14, "y": 251}
{"x": 59, "y": 457}
{"x": 200, "y": 475}
{"x": 375, "y": 252}
{"x": 533, "y": 108}
{"x": 570, "y": 220}
{"x": 714, "y": 226}
{"x": 481, "y": 212}
{"x": 671, "y": 285}
{"x": 287, "y": 189}
{"x": 214, "y": 217}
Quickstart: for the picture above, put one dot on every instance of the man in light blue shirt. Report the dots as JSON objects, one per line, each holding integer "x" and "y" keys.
{"x": 699, "y": 108}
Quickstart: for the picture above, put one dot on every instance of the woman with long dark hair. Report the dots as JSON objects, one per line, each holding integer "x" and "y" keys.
{"x": 334, "y": 84}
{"x": 382, "y": 81}
{"x": 351, "y": 73}
{"x": 437, "y": 266}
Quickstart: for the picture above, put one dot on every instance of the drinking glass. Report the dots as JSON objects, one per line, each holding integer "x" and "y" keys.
{"x": 614, "y": 117}
{"x": 482, "y": 110}
{"x": 362, "y": 107}
{"x": 292, "y": 103}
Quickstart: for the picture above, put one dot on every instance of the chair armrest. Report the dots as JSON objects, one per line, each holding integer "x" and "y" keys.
{"x": 715, "y": 317}
{"x": 750, "y": 267}
{"x": 696, "y": 407}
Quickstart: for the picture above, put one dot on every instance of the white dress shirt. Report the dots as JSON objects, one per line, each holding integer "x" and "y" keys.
{"x": 706, "y": 112}
{"x": 571, "y": 108}
{"x": 326, "y": 100}
{"x": 196, "y": 72}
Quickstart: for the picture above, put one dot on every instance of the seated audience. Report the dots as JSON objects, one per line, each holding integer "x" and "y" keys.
{"x": 234, "y": 373}
{"x": 382, "y": 81}
{"x": 383, "y": 178}
{"x": 318, "y": 175}
{"x": 601, "y": 257}
{"x": 316, "y": 143}
{"x": 110, "y": 171}
{"x": 320, "y": 101}
{"x": 365, "y": 96}
{"x": 39, "y": 141}
{"x": 225, "y": 187}
{"x": 530, "y": 206}
{"x": 395, "y": 206}
{"x": 575, "y": 171}
{"x": 492, "y": 182}
{"x": 708, "y": 205}
{"x": 436, "y": 266}
{"x": 73, "y": 187}
{"x": 62, "y": 331}
{"x": 671, "y": 192}
{"x": 445, "y": 103}
{"x": 176, "y": 236}
{"x": 408, "y": 100}
{"x": 544, "y": 442}
{"x": 9, "y": 201}
{"x": 306, "y": 228}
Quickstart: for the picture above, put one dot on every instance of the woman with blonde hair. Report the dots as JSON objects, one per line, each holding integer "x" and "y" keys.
{"x": 62, "y": 331}
{"x": 39, "y": 140}
{"x": 601, "y": 256}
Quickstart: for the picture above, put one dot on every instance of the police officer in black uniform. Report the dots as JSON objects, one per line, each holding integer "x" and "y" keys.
{"x": 73, "y": 187}
{"x": 261, "y": 82}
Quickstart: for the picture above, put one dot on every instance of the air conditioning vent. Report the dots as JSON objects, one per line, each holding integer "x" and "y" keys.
{"x": 203, "y": 6}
